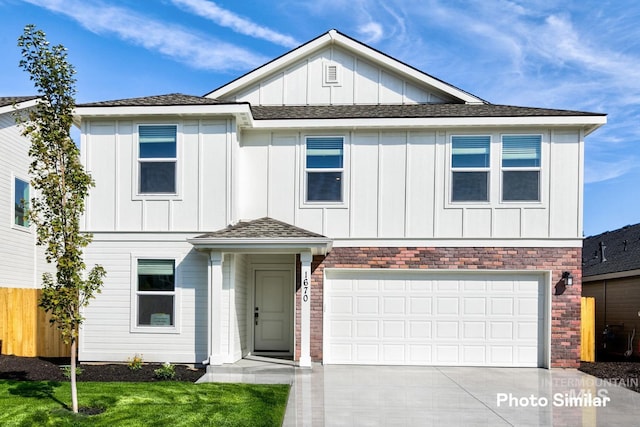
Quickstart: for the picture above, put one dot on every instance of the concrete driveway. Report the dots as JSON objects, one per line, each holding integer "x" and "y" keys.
{"x": 453, "y": 396}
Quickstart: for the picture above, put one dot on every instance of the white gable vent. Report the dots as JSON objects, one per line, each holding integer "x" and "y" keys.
{"x": 332, "y": 74}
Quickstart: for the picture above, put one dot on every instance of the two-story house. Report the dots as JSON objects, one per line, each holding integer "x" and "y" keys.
{"x": 335, "y": 205}
{"x": 24, "y": 327}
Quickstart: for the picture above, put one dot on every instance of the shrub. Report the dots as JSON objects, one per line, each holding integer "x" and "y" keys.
{"x": 166, "y": 372}
{"x": 135, "y": 362}
{"x": 66, "y": 371}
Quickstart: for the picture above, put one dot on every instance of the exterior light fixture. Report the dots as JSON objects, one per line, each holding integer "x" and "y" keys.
{"x": 568, "y": 278}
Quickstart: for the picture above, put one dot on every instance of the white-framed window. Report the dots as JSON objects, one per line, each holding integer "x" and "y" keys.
{"x": 470, "y": 164}
{"x": 324, "y": 169}
{"x": 157, "y": 159}
{"x": 521, "y": 162}
{"x": 21, "y": 201}
{"x": 155, "y": 294}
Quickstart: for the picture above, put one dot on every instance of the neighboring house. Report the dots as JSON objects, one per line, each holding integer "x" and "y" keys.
{"x": 611, "y": 274}
{"x": 335, "y": 205}
{"x": 24, "y": 329}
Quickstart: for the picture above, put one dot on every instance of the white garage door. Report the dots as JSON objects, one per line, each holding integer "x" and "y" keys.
{"x": 397, "y": 318}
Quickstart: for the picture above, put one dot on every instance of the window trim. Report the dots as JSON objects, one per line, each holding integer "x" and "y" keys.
{"x": 304, "y": 203}
{"x": 12, "y": 210}
{"x": 177, "y": 303}
{"x": 453, "y": 169}
{"x": 538, "y": 169}
{"x": 135, "y": 191}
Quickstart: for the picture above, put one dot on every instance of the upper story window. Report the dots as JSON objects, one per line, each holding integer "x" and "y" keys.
{"x": 324, "y": 169}
{"x": 521, "y": 167}
{"x": 155, "y": 293}
{"x": 157, "y": 159}
{"x": 21, "y": 203}
{"x": 470, "y": 162}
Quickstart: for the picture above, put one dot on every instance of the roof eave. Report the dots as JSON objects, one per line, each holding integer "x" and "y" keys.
{"x": 19, "y": 106}
{"x": 241, "y": 111}
{"x": 317, "y": 245}
{"x": 609, "y": 276}
{"x": 589, "y": 123}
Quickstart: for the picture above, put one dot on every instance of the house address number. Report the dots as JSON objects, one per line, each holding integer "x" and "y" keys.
{"x": 305, "y": 287}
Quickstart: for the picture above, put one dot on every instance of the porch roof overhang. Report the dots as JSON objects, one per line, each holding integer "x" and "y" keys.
{"x": 264, "y": 235}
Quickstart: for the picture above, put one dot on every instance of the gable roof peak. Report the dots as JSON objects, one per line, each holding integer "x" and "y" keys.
{"x": 335, "y": 37}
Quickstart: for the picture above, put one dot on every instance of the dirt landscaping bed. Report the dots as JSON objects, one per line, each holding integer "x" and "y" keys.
{"x": 626, "y": 374}
{"x": 41, "y": 369}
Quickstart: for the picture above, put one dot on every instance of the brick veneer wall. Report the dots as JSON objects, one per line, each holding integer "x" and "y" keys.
{"x": 565, "y": 303}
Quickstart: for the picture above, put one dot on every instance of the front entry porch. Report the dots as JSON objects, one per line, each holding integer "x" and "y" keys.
{"x": 256, "y": 270}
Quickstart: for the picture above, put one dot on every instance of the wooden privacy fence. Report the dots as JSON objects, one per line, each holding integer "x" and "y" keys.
{"x": 588, "y": 329}
{"x": 24, "y": 327}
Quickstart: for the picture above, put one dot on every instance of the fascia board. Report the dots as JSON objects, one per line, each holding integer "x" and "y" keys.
{"x": 592, "y": 122}
{"x": 609, "y": 276}
{"x": 18, "y": 106}
{"x": 164, "y": 110}
{"x": 317, "y": 246}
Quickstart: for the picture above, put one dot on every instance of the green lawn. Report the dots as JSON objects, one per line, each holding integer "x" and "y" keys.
{"x": 168, "y": 403}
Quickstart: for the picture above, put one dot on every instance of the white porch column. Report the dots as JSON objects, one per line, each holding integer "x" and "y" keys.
{"x": 215, "y": 308}
{"x": 305, "y": 310}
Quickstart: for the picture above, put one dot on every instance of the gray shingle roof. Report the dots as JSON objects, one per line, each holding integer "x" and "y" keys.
{"x": 405, "y": 111}
{"x": 621, "y": 251}
{"x": 156, "y": 101}
{"x": 10, "y": 100}
{"x": 262, "y": 228}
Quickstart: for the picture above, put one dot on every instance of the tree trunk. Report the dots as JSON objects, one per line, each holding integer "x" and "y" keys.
{"x": 74, "y": 389}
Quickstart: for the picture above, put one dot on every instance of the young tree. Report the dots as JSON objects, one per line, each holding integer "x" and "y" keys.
{"x": 61, "y": 185}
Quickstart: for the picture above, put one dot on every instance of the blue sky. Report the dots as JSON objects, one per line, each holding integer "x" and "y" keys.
{"x": 570, "y": 54}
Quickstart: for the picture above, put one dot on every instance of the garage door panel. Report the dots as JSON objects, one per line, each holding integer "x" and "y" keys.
{"x": 474, "y": 355}
{"x": 501, "y": 354}
{"x": 474, "y": 330}
{"x": 476, "y": 321}
{"x": 367, "y": 329}
{"x": 501, "y": 330}
{"x": 447, "y": 354}
{"x": 501, "y": 306}
{"x": 420, "y": 286}
{"x": 474, "y": 306}
{"x": 420, "y": 305}
{"x": 342, "y": 305}
{"x": 446, "y": 306}
{"x": 446, "y": 329}
{"x": 447, "y": 286}
{"x": 367, "y": 285}
{"x": 393, "y": 305}
{"x": 393, "y": 329}
{"x": 419, "y": 329}
{"x": 527, "y": 306}
{"x": 366, "y": 305}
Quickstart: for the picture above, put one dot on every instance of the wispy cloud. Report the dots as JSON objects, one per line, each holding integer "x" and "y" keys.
{"x": 174, "y": 41}
{"x": 598, "y": 170}
{"x": 226, "y": 18}
{"x": 371, "y": 31}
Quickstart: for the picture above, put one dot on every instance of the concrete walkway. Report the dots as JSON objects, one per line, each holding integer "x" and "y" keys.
{"x": 443, "y": 396}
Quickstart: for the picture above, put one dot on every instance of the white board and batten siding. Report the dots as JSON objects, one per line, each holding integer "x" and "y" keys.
{"x": 203, "y": 181}
{"x": 440, "y": 319}
{"x": 396, "y": 186}
{"x": 357, "y": 82}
